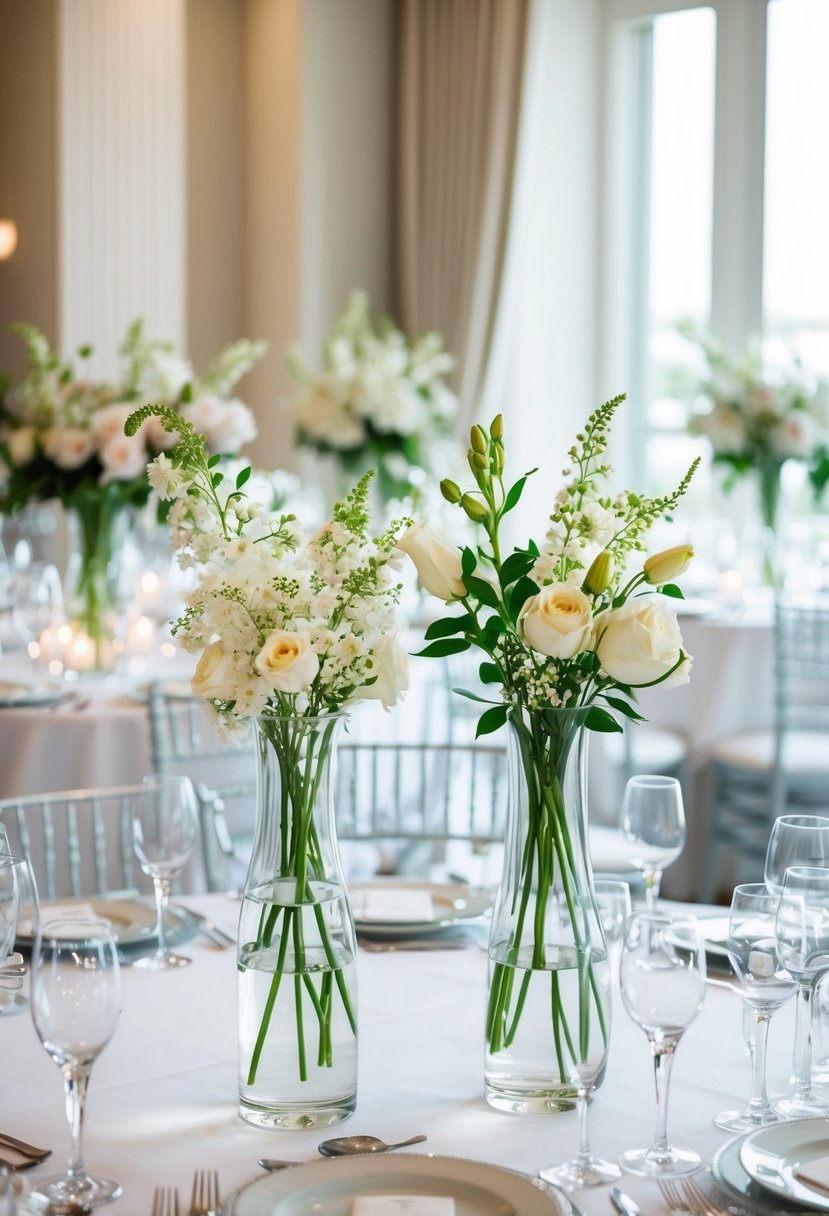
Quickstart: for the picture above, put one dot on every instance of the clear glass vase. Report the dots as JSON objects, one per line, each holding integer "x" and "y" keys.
{"x": 297, "y": 947}
{"x": 98, "y": 528}
{"x": 548, "y": 968}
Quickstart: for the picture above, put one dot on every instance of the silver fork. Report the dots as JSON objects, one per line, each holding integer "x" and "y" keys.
{"x": 204, "y": 1200}
{"x": 165, "y": 1201}
{"x": 686, "y": 1195}
{"x": 707, "y": 1204}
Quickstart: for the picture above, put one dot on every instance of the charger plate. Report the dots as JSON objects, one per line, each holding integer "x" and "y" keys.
{"x": 16, "y": 694}
{"x": 132, "y": 923}
{"x": 452, "y": 903}
{"x": 327, "y": 1187}
{"x": 730, "y": 1174}
{"x": 772, "y": 1154}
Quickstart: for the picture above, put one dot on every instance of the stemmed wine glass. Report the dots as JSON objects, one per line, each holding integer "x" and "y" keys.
{"x": 765, "y": 985}
{"x": 803, "y": 949}
{"x": 653, "y": 824}
{"x": 585, "y": 1068}
{"x": 36, "y": 605}
{"x": 663, "y": 988}
{"x": 165, "y": 827}
{"x": 795, "y": 840}
{"x": 614, "y": 905}
{"x": 76, "y": 997}
{"x": 18, "y": 912}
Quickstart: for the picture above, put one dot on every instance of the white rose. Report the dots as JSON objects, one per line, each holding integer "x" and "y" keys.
{"x": 287, "y": 662}
{"x": 640, "y": 642}
{"x": 215, "y": 674}
{"x": 68, "y": 447}
{"x": 21, "y": 445}
{"x": 438, "y": 563}
{"x": 557, "y": 621}
{"x": 122, "y": 458}
{"x": 390, "y": 664}
{"x": 227, "y": 425}
{"x": 157, "y": 437}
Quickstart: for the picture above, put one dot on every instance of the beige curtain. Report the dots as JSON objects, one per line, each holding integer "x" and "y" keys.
{"x": 461, "y": 68}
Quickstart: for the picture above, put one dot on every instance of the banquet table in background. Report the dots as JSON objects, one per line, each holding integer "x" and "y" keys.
{"x": 162, "y": 1100}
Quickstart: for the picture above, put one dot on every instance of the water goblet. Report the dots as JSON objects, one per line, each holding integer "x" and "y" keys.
{"x": 802, "y": 928}
{"x": 795, "y": 840}
{"x": 752, "y": 949}
{"x": 18, "y": 912}
{"x": 614, "y": 905}
{"x": 37, "y": 604}
{"x": 585, "y": 1065}
{"x": 653, "y": 824}
{"x": 663, "y": 988}
{"x": 165, "y": 827}
{"x": 76, "y": 996}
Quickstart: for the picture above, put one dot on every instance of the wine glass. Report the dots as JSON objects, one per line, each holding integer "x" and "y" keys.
{"x": 165, "y": 826}
{"x": 614, "y": 906}
{"x": 18, "y": 912}
{"x": 795, "y": 840}
{"x": 37, "y": 604}
{"x": 765, "y": 985}
{"x": 585, "y": 1068}
{"x": 76, "y": 997}
{"x": 803, "y": 949}
{"x": 653, "y": 824}
{"x": 663, "y": 987}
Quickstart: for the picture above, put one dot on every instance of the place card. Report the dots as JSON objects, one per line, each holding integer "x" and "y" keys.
{"x": 396, "y": 904}
{"x": 397, "y": 1205}
{"x": 814, "y": 1174}
{"x": 66, "y": 912}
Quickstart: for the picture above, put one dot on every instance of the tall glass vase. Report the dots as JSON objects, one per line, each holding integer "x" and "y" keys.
{"x": 768, "y": 488}
{"x": 98, "y": 526}
{"x": 297, "y": 948}
{"x": 548, "y": 968}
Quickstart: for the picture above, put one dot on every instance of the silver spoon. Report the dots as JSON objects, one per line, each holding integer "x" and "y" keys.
{"x": 341, "y": 1146}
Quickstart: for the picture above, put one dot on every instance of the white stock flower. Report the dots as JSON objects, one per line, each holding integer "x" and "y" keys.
{"x": 287, "y": 662}
{"x": 640, "y": 642}
{"x": 167, "y": 480}
{"x": 557, "y": 621}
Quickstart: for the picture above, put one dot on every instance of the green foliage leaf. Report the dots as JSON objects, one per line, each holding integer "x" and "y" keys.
{"x": 440, "y": 649}
{"x": 213, "y": 461}
{"x": 624, "y": 708}
{"x": 600, "y": 720}
{"x": 672, "y": 590}
{"x": 448, "y": 625}
{"x": 217, "y": 479}
{"x": 516, "y": 565}
{"x": 490, "y": 674}
{"x": 243, "y": 477}
{"x": 468, "y": 562}
{"x": 492, "y": 719}
{"x": 521, "y": 592}
{"x": 516, "y": 491}
{"x": 482, "y": 590}
{"x": 473, "y": 696}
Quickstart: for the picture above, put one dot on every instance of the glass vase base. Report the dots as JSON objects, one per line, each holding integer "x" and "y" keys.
{"x": 78, "y": 1192}
{"x": 668, "y": 1163}
{"x": 803, "y": 1106}
{"x": 746, "y": 1120}
{"x": 303, "y": 1116}
{"x": 574, "y": 1174}
{"x": 527, "y": 1101}
{"x": 161, "y": 962}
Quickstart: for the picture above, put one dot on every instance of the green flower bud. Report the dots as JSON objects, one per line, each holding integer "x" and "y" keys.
{"x": 597, "y": 579}
{"x": 660, "y": 568}
{"x": 477, "y": 439}
{"x": 475, "y": 509}
{"x": 496, "y": 429}
{"x": 478, "y": 460}
{"x": 450, "y": 490}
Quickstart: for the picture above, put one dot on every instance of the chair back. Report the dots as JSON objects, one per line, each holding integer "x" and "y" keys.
{"x": 78, "y": 842}
{"x": 801, "y": 690}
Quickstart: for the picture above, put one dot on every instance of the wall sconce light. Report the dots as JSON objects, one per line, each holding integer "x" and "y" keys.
{"x": 8, "y": 239}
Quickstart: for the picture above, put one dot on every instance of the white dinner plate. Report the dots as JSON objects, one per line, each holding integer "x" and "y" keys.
{"x": 730, "y": 1174}
{"x": 452, "y": 903}
{"x": 328, "y": 1187}
{"x": 132, "y": 923}
{"x": 15, "y": 694}
{"x": 772, "y": 1154}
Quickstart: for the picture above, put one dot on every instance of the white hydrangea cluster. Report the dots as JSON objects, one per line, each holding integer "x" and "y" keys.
{"x": 282, "y": 621}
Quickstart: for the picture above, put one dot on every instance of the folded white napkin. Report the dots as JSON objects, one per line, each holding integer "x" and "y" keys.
{"x": 402, "y": 1205}
{"x": 396, "y": 904}
{"x": 56, "y": 912}
{"x": 814, "y": 1174}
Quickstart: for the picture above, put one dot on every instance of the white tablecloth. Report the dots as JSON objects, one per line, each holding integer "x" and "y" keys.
{"x": 162, "y": 1099}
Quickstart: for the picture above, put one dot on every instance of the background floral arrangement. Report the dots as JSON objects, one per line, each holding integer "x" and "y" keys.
{"x": 378, "y": 400}
{"x": 62, "y": 436}
{"x": 757, "y": 418}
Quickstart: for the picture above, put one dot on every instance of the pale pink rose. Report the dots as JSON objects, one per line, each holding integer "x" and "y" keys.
{"x": 69, "y": 447}
{"x": 108, "y": 423}
{"x": 123, "y": 458}
{"x": 157, "y": 437}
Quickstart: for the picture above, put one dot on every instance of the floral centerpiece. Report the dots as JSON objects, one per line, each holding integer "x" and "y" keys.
{"x": 568, "y": 633}
{"x": 62, "y": 437}
{"x": 756, "y": 418}
{"x": 290, "y": 630}
{"x": 378, "y": 401}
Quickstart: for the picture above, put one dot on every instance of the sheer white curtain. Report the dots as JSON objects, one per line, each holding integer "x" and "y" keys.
{"x": 461, "y": 85}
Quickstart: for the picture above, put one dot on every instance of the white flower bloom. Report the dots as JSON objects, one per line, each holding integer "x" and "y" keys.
{"x": 165, "y": 478}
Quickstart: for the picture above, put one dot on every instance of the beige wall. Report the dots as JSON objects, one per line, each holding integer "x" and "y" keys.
{"x": 28, "y": 167}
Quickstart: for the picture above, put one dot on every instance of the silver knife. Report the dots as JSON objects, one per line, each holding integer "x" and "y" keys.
{"x": 207, "y": 926}
{"x": 623, "y": 1203}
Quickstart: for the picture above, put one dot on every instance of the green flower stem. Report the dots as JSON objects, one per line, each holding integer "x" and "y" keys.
{"x": 299, "y": 782}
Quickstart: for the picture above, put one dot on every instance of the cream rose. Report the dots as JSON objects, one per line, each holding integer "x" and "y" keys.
{"x": 390, "y": 664}
{"x": 640, "y": 642}
{"x": 438, "y": 563}
{"x": 227, "y": 425}
{"x": 287, "y": 662}
{"x": 215, "y": 674}
{"x": 69, "y": 447}
{"x": 558, "y": 621}
{"x": 21, "y": 444}
{"x": 122, "y": 458}
{"x": 108, "y": 422}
